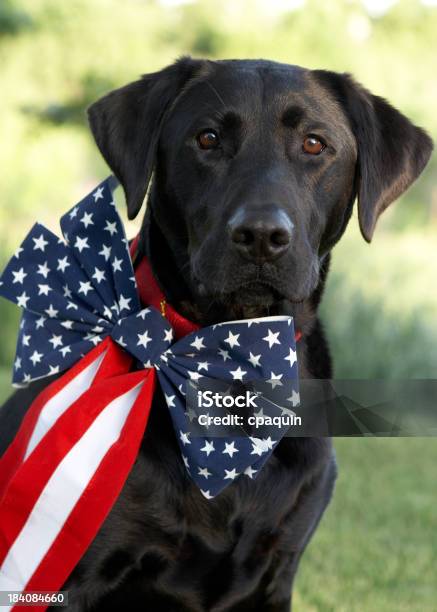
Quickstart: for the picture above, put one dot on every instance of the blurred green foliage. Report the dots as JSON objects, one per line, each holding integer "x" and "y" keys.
{"x": 56, "y": 57}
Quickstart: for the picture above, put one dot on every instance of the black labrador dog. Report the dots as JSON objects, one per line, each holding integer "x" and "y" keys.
{"x": 256, "y": 166}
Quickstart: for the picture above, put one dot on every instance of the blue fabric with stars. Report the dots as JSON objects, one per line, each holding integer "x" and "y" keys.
{"x": 80, "y": 289}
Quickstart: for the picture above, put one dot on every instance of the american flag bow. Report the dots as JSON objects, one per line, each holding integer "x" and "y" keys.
{"x": 78, "y": 441}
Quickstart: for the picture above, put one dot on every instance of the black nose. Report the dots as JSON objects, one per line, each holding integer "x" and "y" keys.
{"x": 263, "y": 234}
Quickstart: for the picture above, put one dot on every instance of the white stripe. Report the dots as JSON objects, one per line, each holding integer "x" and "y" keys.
{"x": 58, "y": 404}
{"x": 62, "y": 492}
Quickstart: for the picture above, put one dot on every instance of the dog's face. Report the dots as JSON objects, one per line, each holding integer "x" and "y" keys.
{"x": 257, "y": 165}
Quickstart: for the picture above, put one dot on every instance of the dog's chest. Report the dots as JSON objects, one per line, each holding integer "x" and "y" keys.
{"x": 163, "y": 537}
{"x": 201, "y": 553}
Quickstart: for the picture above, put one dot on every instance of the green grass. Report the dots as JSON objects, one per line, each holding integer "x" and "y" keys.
{"x": 376, "y": 548}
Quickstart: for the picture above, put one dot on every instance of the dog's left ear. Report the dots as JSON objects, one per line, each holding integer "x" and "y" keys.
{"x": 126, "y": 125}
{"x": 392, "y": 152}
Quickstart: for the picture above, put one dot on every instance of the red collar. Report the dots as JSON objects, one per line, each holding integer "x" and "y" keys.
{"x": 152, "y": 295}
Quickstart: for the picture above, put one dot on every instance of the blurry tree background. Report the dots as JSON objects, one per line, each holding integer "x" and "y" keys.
{"x": 380, "y": 308}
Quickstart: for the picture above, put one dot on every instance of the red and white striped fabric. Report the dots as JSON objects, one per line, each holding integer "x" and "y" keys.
{"x": 56, "y": 490}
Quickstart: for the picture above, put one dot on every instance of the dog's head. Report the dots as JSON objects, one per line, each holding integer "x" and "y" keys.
{"x": 256, "y": 167}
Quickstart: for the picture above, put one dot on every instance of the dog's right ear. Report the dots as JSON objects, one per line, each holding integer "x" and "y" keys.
{"x": 126, "y": 125}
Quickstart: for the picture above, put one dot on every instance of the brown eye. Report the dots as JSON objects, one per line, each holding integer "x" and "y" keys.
{"x": 312, "y": 145}
{"x": 208, "y": 139}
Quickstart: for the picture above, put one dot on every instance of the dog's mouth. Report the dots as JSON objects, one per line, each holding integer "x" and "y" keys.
{"x": 254, "y": 293}
{"x": 252, "y": 298}
{"x": 249, "y": 292}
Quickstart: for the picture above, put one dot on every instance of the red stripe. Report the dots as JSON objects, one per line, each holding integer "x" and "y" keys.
{"x": 116, "y": 362}
{"x": 98, "y": 498}
{"x": 29, "y": 478}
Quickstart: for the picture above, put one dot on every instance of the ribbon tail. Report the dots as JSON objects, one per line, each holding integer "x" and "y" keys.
{"x": 104, "y": 361}
{"x": 55, "y": 501}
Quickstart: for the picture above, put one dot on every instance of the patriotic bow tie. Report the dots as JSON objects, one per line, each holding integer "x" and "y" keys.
{"x": 82, "y": 314}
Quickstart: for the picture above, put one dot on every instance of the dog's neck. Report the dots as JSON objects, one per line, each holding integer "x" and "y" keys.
{"x": 170, "y": 270}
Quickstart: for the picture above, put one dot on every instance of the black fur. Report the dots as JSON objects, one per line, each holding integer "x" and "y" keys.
{"x": 164, "y": 548}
